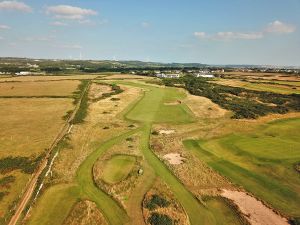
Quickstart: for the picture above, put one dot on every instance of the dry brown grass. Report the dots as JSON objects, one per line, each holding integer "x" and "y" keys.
{"x": 277, "y": 76}
{"x": 50, "y": 77}
{"x": 85, "y": 213}
{"x": 96, "y": 90}
{"x": 204, "y": 108}
{"x": 175, "y": 211}
{"x": 53, "y": 88}
{"x": 28, "y": 126}
{"x": 126, "y": 76}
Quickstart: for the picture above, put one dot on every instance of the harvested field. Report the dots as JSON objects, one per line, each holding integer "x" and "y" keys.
{"x": 49, "y": 78}
{"x": 51, "y": 88}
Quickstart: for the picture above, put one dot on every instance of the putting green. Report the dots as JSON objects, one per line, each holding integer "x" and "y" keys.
{"x": 117, "y": 168}
{"x": 262, "y": 162}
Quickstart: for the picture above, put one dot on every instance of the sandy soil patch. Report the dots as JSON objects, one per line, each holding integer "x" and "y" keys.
{"x": 167, "y": 132}
{"x": 257, "y": 213}
{"x": 174, "y": 158}
{"x": 178, "y": 102}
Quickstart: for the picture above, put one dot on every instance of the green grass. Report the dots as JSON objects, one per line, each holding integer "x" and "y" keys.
{"x": 152, "y": 107}
{"x": 112, "y": 211}
{"x": 117, "y": 168}
{"x": 54, "y": 205}
{"x": 223, "y": 212}
{"x": 262, "y": 162}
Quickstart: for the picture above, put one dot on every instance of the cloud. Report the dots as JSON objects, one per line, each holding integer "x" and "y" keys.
{"x": 59, "y": 24}
{"x": 15, "y": 6}
{"x": 4, "y": 27}
{"x": 238, "y": 35}
{"x": 276, "y": 27}
{"x": 280, "y": 28}
{"x": 70, "y": 12}
{"x": 1, "y": 38}
{"x": 200, "y": 34}
{"x": 42, "y": 39}
{"x": 230, "y": 35}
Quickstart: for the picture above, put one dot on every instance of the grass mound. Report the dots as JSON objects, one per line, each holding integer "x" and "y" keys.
{"x": 117, "y": 168}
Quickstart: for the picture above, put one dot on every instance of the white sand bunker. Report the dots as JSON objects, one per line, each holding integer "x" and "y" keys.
{"x": 174, "y": 158}
{"x": 257, "y": 213}
{"x": 166, "y": 131}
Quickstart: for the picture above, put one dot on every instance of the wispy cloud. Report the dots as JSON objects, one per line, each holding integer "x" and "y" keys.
{"x": 274, "y": 27}
{"x": 41, "y": 38}
{"x": 59, "y": 24}
{"x": 70, "y": 12}
{"x": 1, "y": 38}
{"x": 280, "y": 27}
{"x": 15, "y": 6}
{"x": 230, "y": 35}
{"x": 4, "y": 27}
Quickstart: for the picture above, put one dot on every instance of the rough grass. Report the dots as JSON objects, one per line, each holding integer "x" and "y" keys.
{"x": 262, "y": 162}
{"x": 117, "y": 168}
{"x": 57, "y": 200}
{"x": 50, "y": 88}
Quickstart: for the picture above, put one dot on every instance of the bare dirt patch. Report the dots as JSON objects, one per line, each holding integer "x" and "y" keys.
{"x": 256, "y": 212}
{"x": 174, "y": 158}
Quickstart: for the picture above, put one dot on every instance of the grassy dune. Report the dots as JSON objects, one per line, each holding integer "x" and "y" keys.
{"x": 262, "y": 162}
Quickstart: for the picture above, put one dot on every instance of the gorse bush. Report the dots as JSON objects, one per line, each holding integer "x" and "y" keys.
{"x": 244, "y": 103}
{"x": 157, "y": 201}
{"x": 160, "y": 219}
{"x": 25, "y": 164}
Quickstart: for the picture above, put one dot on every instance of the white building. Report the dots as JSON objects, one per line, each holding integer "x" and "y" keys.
{"x": 162, "y": 75}
{"x": 205, "y": 75}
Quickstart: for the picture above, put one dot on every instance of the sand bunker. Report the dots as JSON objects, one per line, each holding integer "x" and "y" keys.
{"x": 166, "y": 131}
{"x": 257, "y": 213}
{"x": 174, "y": 158}
{"x": 178, "y": 102}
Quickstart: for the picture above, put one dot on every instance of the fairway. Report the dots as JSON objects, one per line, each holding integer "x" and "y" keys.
{"x": 260, "y": 162}
{"x": 154, "y": 107}
{"x": 117, "y": 168}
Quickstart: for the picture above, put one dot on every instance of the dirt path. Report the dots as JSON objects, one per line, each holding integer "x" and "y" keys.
{"x": 256, "y": 212}
{"x": 32, "y": 183}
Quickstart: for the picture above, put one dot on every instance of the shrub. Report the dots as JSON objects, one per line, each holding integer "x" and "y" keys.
{"x": 25, "y": 164}
{"x": 6, "y": 181}
{"x": 160, "y": 219}
{"x": 157, "y": 201}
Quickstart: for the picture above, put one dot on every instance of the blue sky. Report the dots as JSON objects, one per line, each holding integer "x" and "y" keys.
{"x": 213, "y": 32}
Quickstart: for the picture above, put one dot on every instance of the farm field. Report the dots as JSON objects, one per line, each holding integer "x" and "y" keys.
{"x": 50, "y": 88}
{"x": 141, "y": 150}
{"x": 277, "y": 87}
